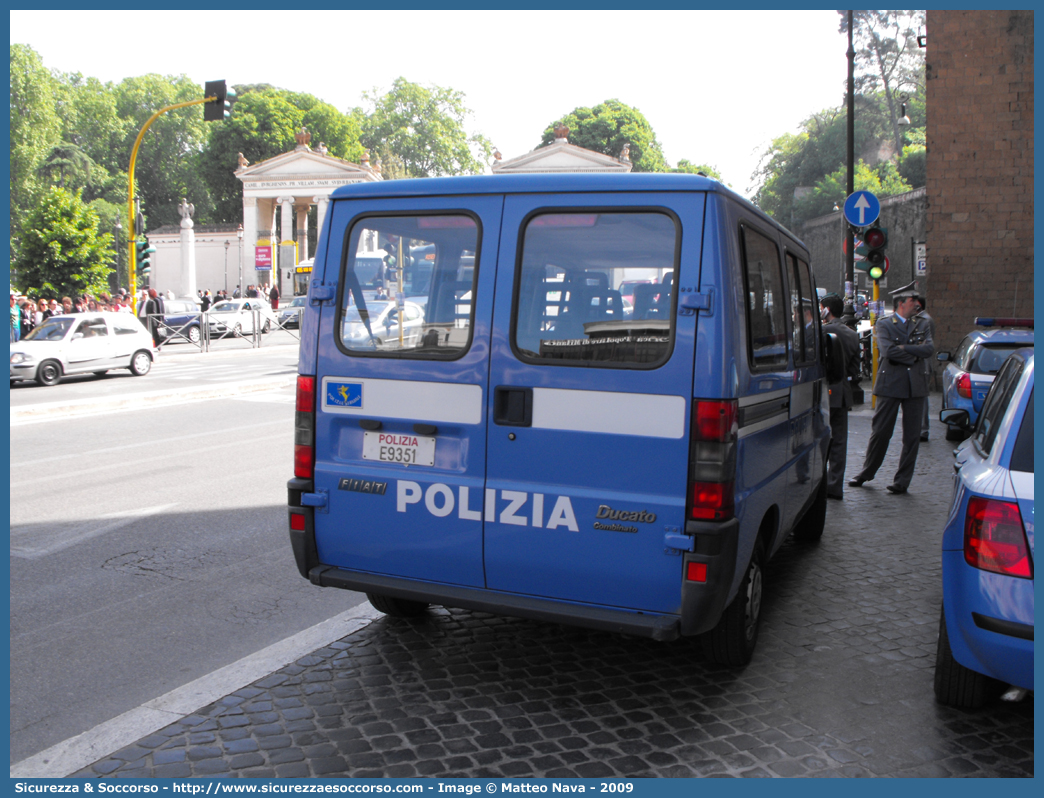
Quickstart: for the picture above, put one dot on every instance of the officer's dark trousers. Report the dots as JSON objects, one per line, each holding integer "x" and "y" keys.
{"x": 838, "y": 451}
{"x": 881, "y": 428}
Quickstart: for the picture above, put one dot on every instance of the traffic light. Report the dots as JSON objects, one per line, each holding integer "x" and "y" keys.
{"x": 875, "y": 239}
{"x": 221, "y": 106}
{"x": 143, "y": 251}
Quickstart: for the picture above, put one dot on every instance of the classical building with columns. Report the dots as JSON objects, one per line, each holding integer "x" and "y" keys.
{"x": 277, "y": 196}
{"x": 561, "y": 156}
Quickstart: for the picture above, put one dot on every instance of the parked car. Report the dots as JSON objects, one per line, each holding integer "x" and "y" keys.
{"x": 970, "y": 370}
{"x": 384, "y": 324}
{"x": 986, "y": 626}
{"x": 240, "y": 316}
{"x": 180, "y": 321}
{"x": 82, "y": 343}
{"x": 290, "y": 316}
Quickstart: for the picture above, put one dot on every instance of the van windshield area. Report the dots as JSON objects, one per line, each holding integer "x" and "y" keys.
{"x": 570, "y": 299}
{"x": 425, "y": 264}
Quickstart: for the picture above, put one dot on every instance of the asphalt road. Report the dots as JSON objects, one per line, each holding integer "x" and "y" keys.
{"x": 149, "y": 546}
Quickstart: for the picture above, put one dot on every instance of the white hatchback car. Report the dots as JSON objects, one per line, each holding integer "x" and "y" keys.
{"x": 81, "y": 343}
{"x": 240, "y": 316}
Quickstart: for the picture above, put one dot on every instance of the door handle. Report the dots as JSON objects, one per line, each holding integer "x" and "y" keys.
{"x": 512, "y": 407}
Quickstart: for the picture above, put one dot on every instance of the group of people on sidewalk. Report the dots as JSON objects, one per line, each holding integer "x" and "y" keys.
{"x": 905, "y": 343}
{"x": 27, "y": 314}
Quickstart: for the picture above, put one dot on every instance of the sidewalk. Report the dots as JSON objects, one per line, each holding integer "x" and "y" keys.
{"x": 841, "y": 683}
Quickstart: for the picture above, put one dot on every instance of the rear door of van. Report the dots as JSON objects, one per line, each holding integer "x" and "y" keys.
{"x": 402, "y": 370}
{"x": 590, "y": 397}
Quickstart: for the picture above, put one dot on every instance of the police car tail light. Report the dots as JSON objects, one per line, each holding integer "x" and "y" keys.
{"x": 994, "y": 538}
{"x": 964, "y": 386}
{"x": 304, "y": 428}
{"x": 712, "y": 460}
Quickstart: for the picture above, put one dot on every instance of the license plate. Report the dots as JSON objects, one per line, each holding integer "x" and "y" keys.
{"x": 391, "y": 448}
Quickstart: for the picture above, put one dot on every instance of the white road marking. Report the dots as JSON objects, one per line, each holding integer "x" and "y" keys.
{"x": 31, "y": 544}
{"x": 78, "y": 752}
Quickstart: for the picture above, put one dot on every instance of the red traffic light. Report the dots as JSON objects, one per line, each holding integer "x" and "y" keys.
{"x": 875, "y": 238}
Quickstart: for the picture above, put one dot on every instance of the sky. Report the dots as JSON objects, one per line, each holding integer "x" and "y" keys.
{"x": 716, "y": 86}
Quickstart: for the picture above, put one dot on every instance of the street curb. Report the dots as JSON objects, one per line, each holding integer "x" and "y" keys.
{"x": 78, "y": 752}
{"x": 137, "y": 401}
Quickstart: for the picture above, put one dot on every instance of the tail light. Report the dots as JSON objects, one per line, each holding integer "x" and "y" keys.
{"x": 304, "y": 428}
{"x": 964, "y": 386}
{"x": 994, "y": 538}
{"x": 712, "y": 460}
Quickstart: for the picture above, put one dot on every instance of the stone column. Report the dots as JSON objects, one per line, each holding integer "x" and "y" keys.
{"x": 187, "y": 287}
{"x": 320, "y": 215}
{"x": 250, "y": 236}
{"x": 302, "y": 232}
{"x": 286, "y": 225}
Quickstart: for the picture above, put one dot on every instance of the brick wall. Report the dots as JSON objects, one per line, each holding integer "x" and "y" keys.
{"x": 980, "y": 168}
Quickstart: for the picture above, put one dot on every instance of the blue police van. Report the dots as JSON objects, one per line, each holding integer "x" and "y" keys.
{"x": 513, "y": 435}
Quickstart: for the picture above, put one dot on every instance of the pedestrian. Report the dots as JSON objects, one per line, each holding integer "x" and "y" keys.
{"x": 904, "y": 342}
{"x": 154, "y": 313}
{"x": 16, "y": 317}
{"x": 204, "y": 302}
{"x": 43, "y": 312}
{"x": 928, "y": 365}
{"x": 55, "y": 308}
{"x": 833, "y": 309}
{"x": 28, "y": 317}
{"x": 273, "y": 297}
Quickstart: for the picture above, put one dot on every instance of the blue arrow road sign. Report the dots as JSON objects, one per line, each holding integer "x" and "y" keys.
{"x": 862, "y": 208}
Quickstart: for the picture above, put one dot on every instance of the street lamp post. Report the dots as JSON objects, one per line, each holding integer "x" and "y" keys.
{"x": 239, "y": 235}
{"x": 227, "y": 245}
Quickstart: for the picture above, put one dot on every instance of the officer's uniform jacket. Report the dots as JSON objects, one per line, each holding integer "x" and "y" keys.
{"x": 841, "y": 392}
{"x": 904, "y": 352}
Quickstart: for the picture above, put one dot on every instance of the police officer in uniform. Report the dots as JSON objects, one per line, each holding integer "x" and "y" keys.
{"x": 904, "y": 341}
{"x": 840, "y": 393}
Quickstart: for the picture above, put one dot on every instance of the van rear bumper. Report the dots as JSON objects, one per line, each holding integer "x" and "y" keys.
{"x": 606, "y": 619}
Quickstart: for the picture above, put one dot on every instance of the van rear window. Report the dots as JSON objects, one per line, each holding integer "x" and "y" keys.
{"x": 409, "y": 286}
{"x": 570, "y": 301}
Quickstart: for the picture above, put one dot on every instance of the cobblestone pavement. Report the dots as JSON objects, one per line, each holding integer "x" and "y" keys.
{"x": 841, "y": 683}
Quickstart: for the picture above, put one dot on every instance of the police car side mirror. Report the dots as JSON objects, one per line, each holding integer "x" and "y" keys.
{"x": 954, "y": 416}
{"x": 943, "y": 357}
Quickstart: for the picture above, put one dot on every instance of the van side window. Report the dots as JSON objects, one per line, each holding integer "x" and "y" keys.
{"x": 569, "y": 307}
{"x": 766, "y": 301}
{"x": 425, "y": 265}
{"x": 803, "y": 310}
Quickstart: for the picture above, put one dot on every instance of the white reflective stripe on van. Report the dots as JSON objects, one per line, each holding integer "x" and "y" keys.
{"x": 763, "y": 410}
{"x": 443, "y": 402}
{"x": 611, "y": 413}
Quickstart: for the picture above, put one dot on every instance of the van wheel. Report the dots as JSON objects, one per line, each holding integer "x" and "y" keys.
{"x": 49, "y": 373}
{"x": 955, "y": 685}
{"x": 732, "y": 640}
{"x": 397, "y": 607}
{"x": 810, "y": 527}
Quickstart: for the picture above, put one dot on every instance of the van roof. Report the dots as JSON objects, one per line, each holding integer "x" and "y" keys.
{"x": 543, "y": 184}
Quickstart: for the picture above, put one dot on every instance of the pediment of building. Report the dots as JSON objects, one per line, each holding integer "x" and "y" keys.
{"x": 562, "y": 157}
{"x": 304, "y": 164}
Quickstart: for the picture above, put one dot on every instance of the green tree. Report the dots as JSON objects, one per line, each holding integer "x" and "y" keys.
{"x": 62, "y": 252}
{"x": 262, "y": 125}
{"x": 887, "y": 56}
{"x": 87, "y": 109}
{"x": 424, "y": 128}
{"x": 687, "y": 168}
{"x": 34, "y": 127}
{"x": 830, "y": 190}
{"x": 67, "y": 160}
{"x": 167, "y": 167}
{"x": 607, "y": 128}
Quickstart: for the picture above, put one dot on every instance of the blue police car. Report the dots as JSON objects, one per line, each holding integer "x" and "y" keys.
{"x": 986, "y": 627}
{"x": 970, "y": 370}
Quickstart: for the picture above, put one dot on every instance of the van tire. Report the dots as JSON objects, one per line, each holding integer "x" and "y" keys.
{"x": 397, "y": 607}
{"x": 955, "y": 685}
{"x": 810, "y": 528}
{"x": 732, "y": 640}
